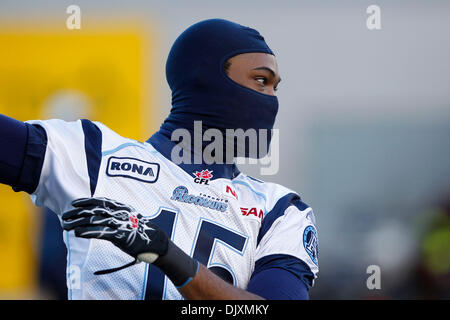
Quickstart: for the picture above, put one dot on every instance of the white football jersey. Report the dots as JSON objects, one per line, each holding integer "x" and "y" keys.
{"x": 226, "y": 224}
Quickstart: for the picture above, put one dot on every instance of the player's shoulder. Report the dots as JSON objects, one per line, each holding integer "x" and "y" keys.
{"x": 57, "y": 125}
{"x": 109, "y": 136}
{"x": 91, "y": 132}
{"x": 113, "y": 141}
{"x": 277, "y": 197}
{"x": 61, "y": 132}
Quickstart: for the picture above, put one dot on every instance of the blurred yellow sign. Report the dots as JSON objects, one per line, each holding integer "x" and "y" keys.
{"x": 102, "y": 75}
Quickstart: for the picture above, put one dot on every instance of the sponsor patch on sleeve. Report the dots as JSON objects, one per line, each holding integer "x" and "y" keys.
{"x": 133, "y": 168}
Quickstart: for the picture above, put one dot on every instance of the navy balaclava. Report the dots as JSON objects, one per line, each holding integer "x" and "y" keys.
{"x": 201, "y": 89}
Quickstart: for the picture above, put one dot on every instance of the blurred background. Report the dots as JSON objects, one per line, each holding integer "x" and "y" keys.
{"x": 364, "y": 124}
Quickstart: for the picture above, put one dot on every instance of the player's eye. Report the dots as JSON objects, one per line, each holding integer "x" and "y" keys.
{"x": 262, "y": 80}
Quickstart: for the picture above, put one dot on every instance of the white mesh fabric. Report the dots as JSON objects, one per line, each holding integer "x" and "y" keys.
{"x": 153, "y": 200}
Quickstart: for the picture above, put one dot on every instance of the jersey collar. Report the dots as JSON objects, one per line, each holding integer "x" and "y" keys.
{"x": 164, "y": 145}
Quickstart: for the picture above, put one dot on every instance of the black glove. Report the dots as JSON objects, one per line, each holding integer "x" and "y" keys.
{"x": 106, "y": 219}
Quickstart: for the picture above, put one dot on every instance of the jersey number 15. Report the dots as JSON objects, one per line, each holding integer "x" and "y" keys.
{"x": 208, "y": 233}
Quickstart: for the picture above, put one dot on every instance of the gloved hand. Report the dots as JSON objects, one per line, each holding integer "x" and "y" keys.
{"x": 106, "y": 219}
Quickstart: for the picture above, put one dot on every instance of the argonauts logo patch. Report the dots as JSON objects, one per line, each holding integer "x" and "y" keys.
{"x": 182, "y": 194}
{"x": 311, "y": 243}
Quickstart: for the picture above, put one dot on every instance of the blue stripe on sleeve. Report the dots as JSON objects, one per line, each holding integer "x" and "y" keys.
{"x": 93, "y": 149}
{"x": 291, "y": 199}
{"x": 30, "y": 172}
{"x": 281, "y": 277}
{"x": 13, "y": 140}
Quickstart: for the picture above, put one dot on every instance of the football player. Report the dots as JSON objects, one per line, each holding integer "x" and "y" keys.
{"x": 139, "y": 225}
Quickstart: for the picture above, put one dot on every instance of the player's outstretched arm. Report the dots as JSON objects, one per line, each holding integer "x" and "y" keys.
{"x": 208, "y": 286}
{"x": 106, "y": 219}
{"x": 13, "y": 139}
{"x": 22, "y": 152}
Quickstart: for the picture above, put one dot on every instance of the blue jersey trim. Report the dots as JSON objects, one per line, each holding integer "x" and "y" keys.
{"x": 291, "y": 199}
{"x": 286, "y": 262}
{"x": 281, "y": 276}
{"x": 262, "y": 195}
{"x": 122, "y": 146}
{"x": 69, "y": 287}
{"x": 33, "y": 161}
{"x": 278, "y": 284}
{"x": 164, "y": 146}
{"x": 13, "y": 142}
{"x": 93, "y": 149}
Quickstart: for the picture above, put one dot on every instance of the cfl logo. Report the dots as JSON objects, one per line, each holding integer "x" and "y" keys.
{"x": 201, "y": 181}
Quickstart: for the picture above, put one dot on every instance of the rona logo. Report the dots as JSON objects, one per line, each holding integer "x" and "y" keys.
{"x": 133, "y": 168}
